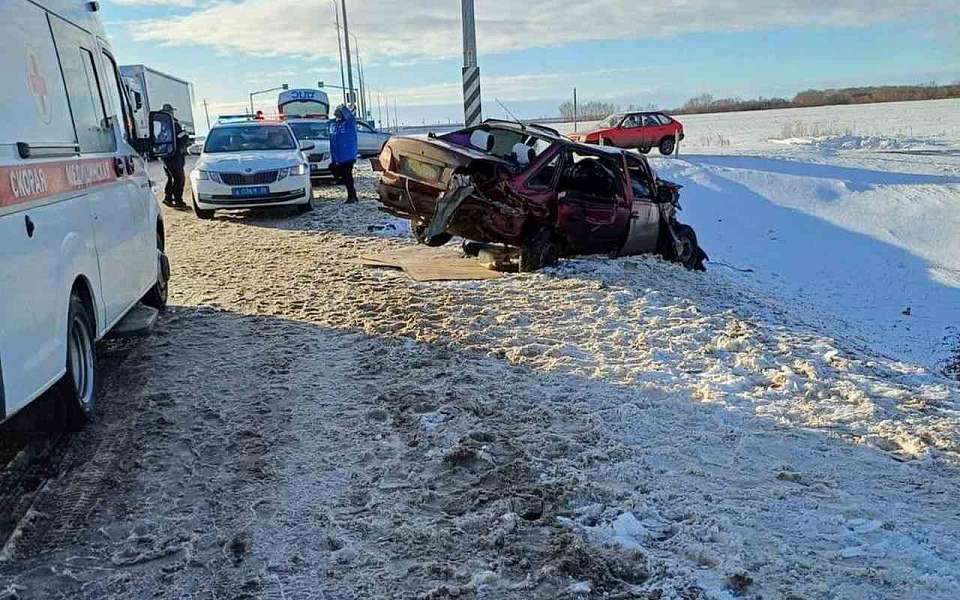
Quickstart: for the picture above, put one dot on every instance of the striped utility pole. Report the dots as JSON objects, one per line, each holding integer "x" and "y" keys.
{"x": 351, "y": 97}
{"x": 472, "y": 110}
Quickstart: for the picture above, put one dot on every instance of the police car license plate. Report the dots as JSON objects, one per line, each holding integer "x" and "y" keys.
{"x": 250, "y": 192}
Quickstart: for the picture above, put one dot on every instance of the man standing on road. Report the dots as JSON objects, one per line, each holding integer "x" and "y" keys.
{"x": 174, "y": 164}
{"x": 343, "y": 149}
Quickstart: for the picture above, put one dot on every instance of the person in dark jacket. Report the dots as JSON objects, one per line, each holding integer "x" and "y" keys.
{"x": 343, "y": 149}
{"x": 175, "y": 163}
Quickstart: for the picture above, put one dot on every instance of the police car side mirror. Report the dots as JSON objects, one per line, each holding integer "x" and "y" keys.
{"x": 162, "y": 136}
{"x": 307, "y": 145}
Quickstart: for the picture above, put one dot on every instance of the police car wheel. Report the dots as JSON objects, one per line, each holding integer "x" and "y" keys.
{"x": 201, "y": 213}
{"x": 77, "y": 388}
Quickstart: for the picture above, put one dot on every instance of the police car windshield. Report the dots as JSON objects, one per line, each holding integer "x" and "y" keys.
{"x": 311, "y": 131}
{"x": 249, "y": 138}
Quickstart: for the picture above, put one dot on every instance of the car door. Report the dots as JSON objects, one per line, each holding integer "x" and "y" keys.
{"x": 631, "y": 132}
{"x": 117, "y": 220}
{"x": 133, "y": 181}
{"x": 644, "y": 226}
{"x": 591, "y": 203}
{"x": 368, "y": 140}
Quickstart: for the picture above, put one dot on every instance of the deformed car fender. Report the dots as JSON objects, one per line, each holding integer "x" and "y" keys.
{"x": 461, "y": 187}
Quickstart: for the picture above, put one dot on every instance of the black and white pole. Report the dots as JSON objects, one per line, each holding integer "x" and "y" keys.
{"x": 351, "y": 96}
{"x": 472, "y": 110}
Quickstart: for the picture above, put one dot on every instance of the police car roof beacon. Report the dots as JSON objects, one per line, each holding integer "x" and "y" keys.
{"x": 73, "y": 265}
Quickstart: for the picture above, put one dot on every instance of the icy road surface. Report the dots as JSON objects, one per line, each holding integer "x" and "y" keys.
{"x": 303, "y": 427}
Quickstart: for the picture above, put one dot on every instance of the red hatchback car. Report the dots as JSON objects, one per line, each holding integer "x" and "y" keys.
{"x": 642, "y": 130}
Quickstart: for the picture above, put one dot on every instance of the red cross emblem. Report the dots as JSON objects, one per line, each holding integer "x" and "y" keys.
{"x": 38, "y": 85}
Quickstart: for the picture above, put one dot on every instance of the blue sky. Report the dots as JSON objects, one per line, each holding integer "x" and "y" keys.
{"x": 532, "y": 56}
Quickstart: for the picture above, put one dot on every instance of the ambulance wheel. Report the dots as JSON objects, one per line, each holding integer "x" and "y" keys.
{"x": 77, "y": 388}
{"x": 201, "y": 213}
{"x": 157, "y": 296}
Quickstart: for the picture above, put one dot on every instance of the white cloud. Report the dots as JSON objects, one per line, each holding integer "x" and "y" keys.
{"x": 154, "y": 2}
{"x": 392, "y": 30}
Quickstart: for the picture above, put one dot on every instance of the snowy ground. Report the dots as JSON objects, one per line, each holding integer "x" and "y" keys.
{"x": 848, "y": 213}
{"x": 304, "y": 427}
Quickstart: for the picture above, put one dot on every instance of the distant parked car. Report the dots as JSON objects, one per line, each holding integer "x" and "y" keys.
{"x": 318, "y": 132}
{"x": 640, "y": 130}
{"x": 529, "y": 187}
{"x": 196, "y": 148}
{"x": 370, "y": 141}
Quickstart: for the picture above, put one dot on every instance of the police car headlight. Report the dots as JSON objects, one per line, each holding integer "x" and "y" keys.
{"x": 208, "y": 176}
{"x": 300, "y": 169}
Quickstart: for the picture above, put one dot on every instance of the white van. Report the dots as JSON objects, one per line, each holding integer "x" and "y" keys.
{"x": 81, "y": 234}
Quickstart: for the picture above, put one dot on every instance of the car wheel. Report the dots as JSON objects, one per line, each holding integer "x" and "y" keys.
{"x": 538, "y": 251}
{"x": 201, "y": 213}
{"x": 77, "y": 389}
{"x": 643, "y": 150}
{"x": 420, "y": 232}
{"x": 667, "y": 146}
{"x": 305, "y": 208}
{"x": 605, "y": 142}
{"x": 686, "y": 251}
{"x": 157, "y": 296}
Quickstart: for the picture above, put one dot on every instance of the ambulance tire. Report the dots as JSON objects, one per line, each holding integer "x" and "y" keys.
{"x": 157, "y": 296}
{"x": 77, "y": 388}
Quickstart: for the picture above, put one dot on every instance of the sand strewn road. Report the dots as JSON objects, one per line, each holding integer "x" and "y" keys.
{"x": 302, "y": 427}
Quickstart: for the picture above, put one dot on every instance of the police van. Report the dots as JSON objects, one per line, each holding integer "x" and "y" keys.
{"x": 81, "y": 234}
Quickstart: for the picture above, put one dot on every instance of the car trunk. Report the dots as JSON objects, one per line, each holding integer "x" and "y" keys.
{"x": 452, "y": 188}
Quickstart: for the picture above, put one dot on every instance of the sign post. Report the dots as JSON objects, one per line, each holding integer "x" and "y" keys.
{"x": 472, "y": 110}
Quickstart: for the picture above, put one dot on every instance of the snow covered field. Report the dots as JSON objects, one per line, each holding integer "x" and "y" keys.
{"x": 304, "y": 427}
{"x": 849, "y": 214}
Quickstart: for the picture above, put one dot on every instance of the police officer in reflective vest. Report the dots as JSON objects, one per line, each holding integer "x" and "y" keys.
{"x": 174, "y": 164}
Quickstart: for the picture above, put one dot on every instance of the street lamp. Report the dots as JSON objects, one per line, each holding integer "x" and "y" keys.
{"x": 252, "y": 94}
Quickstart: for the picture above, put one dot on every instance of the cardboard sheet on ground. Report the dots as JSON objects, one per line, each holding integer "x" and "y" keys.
{"x": 431, "y": 264}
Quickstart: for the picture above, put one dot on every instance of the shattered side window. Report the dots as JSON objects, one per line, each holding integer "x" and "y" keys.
{"x": 545, "y": 176}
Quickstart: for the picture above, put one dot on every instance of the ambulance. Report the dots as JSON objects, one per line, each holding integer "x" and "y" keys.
{"x": 81, "y": 234}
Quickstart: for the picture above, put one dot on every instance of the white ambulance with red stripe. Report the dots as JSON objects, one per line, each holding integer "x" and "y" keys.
{"x": 81, "y": 234}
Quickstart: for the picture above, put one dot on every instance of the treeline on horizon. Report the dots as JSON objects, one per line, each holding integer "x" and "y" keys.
{"x": 706, "y": 103}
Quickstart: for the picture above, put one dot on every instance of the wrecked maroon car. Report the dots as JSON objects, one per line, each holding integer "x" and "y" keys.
{"x": 529, "y": 187}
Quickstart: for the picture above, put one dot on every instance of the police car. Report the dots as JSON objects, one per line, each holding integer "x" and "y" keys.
{"x": 251, "y": 164}
{"x": 81, "y": 233}
{"x": 318, "y": 132}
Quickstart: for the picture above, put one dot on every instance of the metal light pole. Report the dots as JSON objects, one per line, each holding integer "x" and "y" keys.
{"x": 346, "y": 40}
{"x": 336, "y": 15}
{"x": 472, "y": 110}
{"x": 363, "y": 91}
{"x": 252, "y": 94}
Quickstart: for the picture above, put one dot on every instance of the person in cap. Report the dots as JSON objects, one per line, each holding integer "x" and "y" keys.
{"x": 175, "y": 163}
{"x": 343, "y": 149}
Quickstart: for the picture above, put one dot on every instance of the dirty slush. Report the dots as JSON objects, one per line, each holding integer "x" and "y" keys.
{"x": 303, "y": 427}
